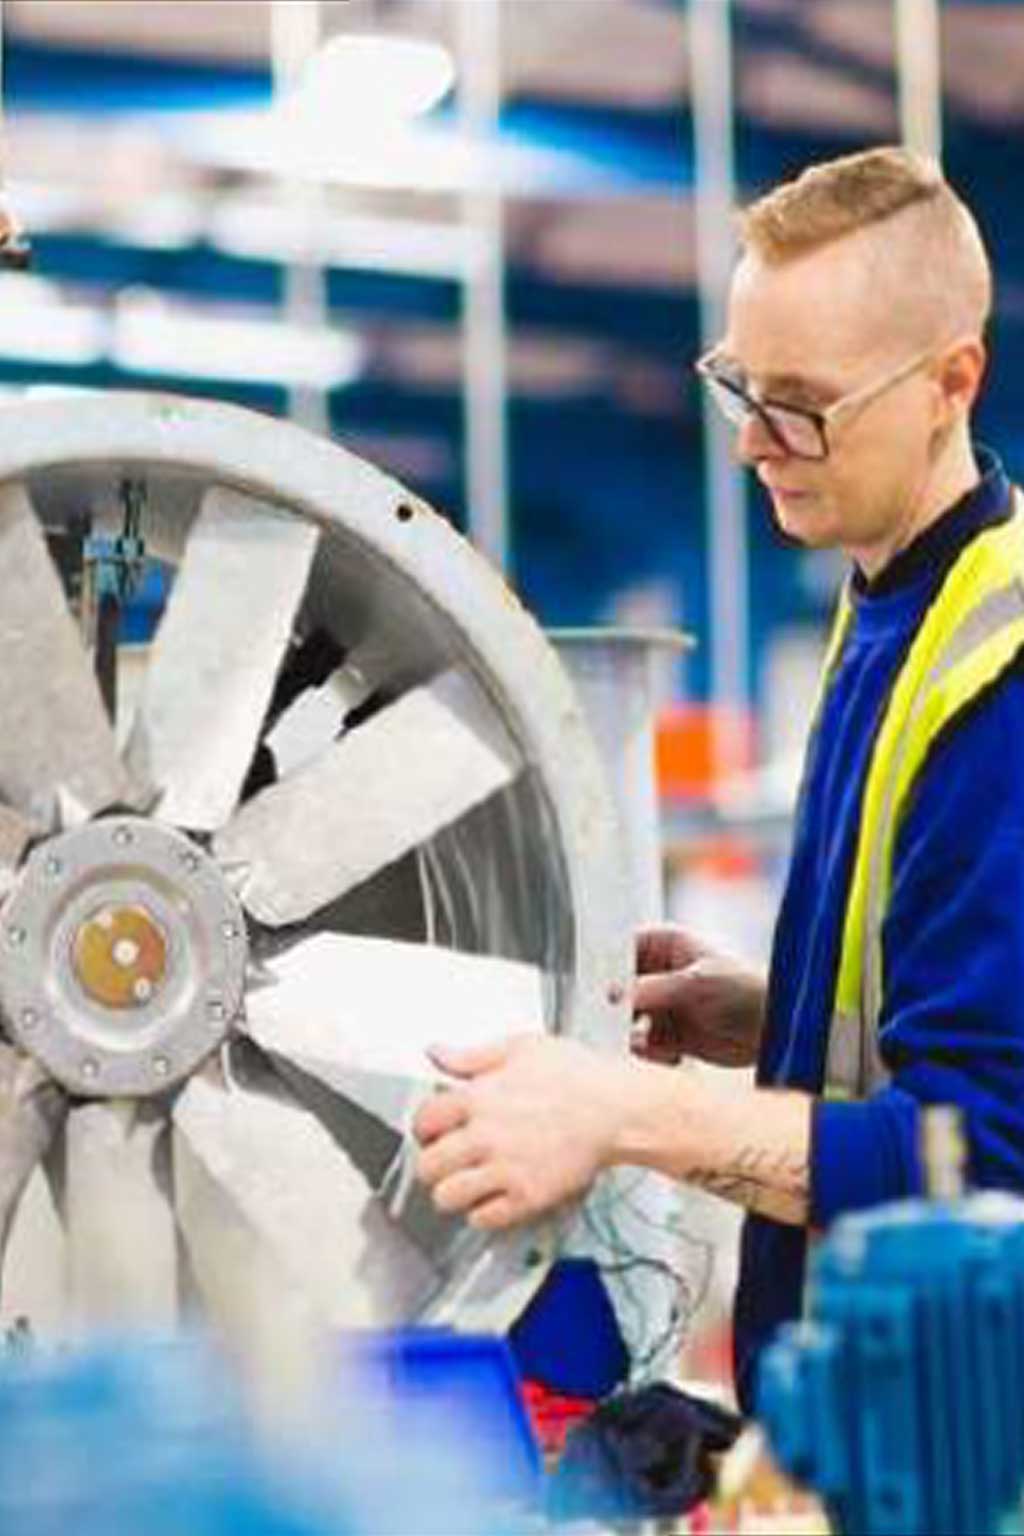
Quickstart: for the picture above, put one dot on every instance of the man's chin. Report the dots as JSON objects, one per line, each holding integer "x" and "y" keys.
{"x": 799, "y": 519}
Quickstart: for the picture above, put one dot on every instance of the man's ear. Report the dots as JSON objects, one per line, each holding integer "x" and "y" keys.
{"x": 959, "y": 372}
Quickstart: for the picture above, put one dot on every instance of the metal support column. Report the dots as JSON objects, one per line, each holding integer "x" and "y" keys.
{"x": 483, "y": 297}
{"x": 919, "y": 62}
{"x": 633, "y": 1222}
{"x": 711, "y": 73}
{"x": 614, "y": 673}
{"x": 295, "y": 37}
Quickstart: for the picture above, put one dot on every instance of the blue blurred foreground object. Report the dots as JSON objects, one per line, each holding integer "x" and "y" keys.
{"x": 136, "y": 1438}
{"x": 901, "y": 1399}
{"x": 154, "y": 1437}
{"x": 457, "y": 1390}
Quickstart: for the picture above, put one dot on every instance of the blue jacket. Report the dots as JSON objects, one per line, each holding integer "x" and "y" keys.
{"x": 953, "y": 939}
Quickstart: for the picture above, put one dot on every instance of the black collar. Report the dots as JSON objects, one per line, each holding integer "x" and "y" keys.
{"x": 989, "y": 501}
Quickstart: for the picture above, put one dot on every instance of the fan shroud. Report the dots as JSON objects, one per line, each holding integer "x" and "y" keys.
{"x": 430, "y": 846}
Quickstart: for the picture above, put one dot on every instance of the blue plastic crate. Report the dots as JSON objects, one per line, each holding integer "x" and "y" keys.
{"x": 468, "y": 1386}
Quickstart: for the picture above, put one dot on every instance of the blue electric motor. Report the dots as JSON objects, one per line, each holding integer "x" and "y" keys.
{"x": 901, "y": 1399}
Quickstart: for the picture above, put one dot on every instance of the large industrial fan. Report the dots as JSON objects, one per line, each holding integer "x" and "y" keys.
{"x": 339, "y": 805}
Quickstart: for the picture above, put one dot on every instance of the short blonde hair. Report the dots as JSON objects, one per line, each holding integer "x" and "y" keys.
{"x": 845, "y": 196}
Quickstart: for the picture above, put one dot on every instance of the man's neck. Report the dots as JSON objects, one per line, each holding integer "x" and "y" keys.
{"x": 954, "y": 473}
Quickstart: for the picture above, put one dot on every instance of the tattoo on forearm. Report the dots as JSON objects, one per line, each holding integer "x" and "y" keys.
{"x": 768, "y": 1183}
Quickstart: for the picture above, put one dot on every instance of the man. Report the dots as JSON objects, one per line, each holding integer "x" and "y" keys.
{"x": 852, "y": 359}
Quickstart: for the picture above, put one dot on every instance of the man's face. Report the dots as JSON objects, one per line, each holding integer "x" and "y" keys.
{"x": 806, "y": 333}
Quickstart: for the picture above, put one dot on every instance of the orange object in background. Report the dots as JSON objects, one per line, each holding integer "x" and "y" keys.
{"x": 697, "y": 745}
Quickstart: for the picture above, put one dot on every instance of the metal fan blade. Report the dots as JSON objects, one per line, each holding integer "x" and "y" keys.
{"x": 266, "y": 1198}
{"x": 122, "y": 1241}
{"x": 32, "y": 1108}
{"x": 34, "y": 1291}
{"x": 347, "y": 1022}
{"x": 359, "y": 1014}
{"x": 316, "y": 718}
{"x": 15, "y": 836}
{"x": 386, "y": 787}
{"x": 55, "y": 730}
{"x": 216, "y": 655}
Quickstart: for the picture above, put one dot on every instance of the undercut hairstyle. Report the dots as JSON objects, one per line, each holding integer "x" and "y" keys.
{"x": 891, "y": 187}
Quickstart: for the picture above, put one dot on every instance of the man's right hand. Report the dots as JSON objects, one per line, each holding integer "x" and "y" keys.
{"x": 689, "y": 1000}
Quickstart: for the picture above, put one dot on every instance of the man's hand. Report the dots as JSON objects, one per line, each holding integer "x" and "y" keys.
{"x": 528, "y": 1125}
{"x": 690, "y": 1001}
{"x": 532, "y": 1120}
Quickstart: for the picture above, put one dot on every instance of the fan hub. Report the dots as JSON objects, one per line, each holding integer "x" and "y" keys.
{"x": 119, "y": 956}
{"x": 122, "y": 957}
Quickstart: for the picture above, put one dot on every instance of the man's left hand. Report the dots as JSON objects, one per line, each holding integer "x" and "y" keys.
{"x": 528, "y": 1124}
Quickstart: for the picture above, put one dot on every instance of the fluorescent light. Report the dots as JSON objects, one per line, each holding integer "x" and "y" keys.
{"x": 167, "y": 222}
{"x": 38, "y": 325}
{"x": 429, "y": 156}
{"x": 153, "y": 338}
{"x": 353, "y": 80}
{"x": 269, "y": 230}
{"x": 56, "y": 391}
{"x": 145, "y": 335}
{"x": 71, "y": 334}
{"x": 44, "y": 205}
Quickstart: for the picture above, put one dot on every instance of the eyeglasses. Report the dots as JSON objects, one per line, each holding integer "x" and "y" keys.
{"x": 798, "y": 430}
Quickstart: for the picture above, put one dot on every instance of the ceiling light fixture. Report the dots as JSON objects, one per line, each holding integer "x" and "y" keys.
{"x": 355, "y": 80}
{"x": 37, "y": 324}
{"x": 151, "y": 337}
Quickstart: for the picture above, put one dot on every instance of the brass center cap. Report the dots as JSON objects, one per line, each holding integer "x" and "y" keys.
{"x": 119, "y": 956}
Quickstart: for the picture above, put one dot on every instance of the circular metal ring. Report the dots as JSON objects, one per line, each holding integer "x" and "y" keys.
{"x": 123, "y": 957}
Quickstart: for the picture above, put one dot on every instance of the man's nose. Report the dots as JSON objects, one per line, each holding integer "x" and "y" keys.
{"x": 755, "y": 442}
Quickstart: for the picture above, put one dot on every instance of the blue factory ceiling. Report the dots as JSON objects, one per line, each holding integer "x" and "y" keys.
{"x": 141, "y": 155}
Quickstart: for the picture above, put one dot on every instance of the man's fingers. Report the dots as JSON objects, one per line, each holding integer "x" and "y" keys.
{"x": 693, "y": 984}
{"x": 653, "y": 1044}
{"x": 441, "y": 1113}
{"x": 447, "y": 1155}
{"x": 664, "y": 947}
{"x": 654, "y": 994}
{"x": 469, "y": 1061}
{"x": 467, "y": 1189}
{"x": 654, "y": 948}
{"x": 639, "y": 1034}
{"x": 495, "y": 1214}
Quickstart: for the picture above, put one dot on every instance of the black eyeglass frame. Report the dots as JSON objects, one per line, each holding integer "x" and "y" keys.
{"x": 710, "y": 370}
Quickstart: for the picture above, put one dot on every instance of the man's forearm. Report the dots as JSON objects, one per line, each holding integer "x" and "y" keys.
{"x": 751, "y": 1147}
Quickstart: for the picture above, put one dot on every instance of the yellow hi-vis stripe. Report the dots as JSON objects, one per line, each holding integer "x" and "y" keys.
{"x": 932, "y": 688}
